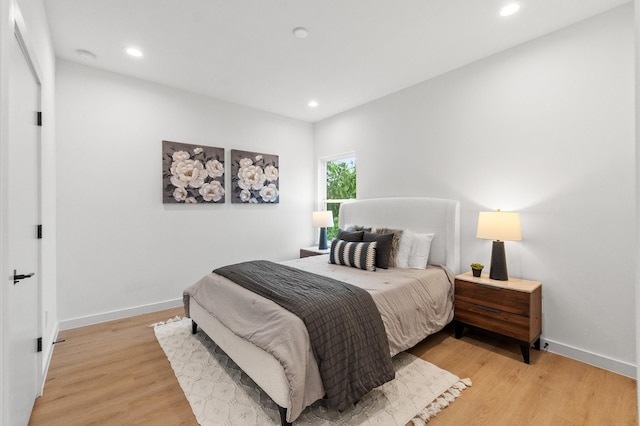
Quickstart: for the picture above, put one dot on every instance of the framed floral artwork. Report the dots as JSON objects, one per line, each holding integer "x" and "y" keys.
{"x": 192, "y": 174}
{"x": 255, "y": 177}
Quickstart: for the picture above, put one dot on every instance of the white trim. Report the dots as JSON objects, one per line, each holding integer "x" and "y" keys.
{"x": 610, "y": 364}
{"x": 48, "y": 356}
{"x": 340, "y": 156}
{"x": 118, "y": 314}
{"x": 24, "y": 40}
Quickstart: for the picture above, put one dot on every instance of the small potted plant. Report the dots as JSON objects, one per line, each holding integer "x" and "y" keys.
{"x": 476, "y": 268}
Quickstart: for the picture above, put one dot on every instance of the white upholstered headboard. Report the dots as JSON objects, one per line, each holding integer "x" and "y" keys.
{"x": 421, "y": 215}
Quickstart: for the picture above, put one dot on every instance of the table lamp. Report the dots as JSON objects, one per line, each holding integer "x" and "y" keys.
{"x": 322, "y": 220}
{"x": 500, "y": 227}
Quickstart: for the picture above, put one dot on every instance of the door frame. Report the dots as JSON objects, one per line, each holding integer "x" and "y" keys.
{"x": 13, "y": 26}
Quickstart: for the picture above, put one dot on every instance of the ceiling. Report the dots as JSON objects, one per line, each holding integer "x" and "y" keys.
{"x": 244, "y": 51}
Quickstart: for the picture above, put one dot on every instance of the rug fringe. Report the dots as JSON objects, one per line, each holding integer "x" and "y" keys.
{"x": 170, "y": 320}
{"x": 441, "y": 402}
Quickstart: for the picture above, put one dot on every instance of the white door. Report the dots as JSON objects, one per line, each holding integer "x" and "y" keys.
{"x": 24, "y": 246}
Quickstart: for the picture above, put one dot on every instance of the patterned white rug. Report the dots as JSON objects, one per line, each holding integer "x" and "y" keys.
{"x": 221, "y": 394}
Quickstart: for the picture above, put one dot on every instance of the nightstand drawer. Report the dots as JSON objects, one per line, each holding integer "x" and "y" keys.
{"x": 496, "y": 320}
{"x": 512, "y": 308}
{"x": 502, "y": 299}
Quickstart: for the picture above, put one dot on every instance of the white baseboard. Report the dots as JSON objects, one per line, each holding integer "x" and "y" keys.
{"x": 119, "y": 314}
{"x": 610, "y": 364}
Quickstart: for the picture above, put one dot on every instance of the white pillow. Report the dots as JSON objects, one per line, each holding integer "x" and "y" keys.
{"x": 404, "y": 249}
{"x": 419, "y": 254}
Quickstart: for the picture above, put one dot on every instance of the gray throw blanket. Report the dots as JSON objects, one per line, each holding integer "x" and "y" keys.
{"x": 345, "y": 329}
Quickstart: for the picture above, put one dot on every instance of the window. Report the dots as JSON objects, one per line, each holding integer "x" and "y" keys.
{"x": 337, "y": 184}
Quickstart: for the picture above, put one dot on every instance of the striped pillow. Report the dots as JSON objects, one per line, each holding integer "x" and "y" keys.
{"x": 358, "y": 255}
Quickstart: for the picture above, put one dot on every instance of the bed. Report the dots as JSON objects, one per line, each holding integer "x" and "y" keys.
{"x": 285, "y": 368}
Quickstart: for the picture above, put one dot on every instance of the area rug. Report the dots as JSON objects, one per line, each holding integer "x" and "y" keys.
{"x": 221, "y": 394}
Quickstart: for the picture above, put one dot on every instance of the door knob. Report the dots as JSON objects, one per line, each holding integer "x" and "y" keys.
{"x": 17, "y": 278}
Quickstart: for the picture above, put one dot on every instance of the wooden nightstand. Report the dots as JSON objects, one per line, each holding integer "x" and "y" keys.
{"x": 312, "y": 251}
{"x": 511, "y": 308}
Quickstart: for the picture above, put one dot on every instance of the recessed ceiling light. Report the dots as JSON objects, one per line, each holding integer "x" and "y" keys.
{"x": 300, "y": 32}
{"x": 313, "y": 104}
{"x": 509, "y": 9}
{"x": 86, "y": 53}
{"x": 133, "y": 51}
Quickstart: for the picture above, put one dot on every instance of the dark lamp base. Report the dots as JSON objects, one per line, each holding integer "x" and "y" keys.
{"x": 322, "y": 243}
{"x": 498, "y": 262}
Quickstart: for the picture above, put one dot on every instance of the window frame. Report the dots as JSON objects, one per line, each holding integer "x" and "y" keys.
{"x": 322, "y": 179}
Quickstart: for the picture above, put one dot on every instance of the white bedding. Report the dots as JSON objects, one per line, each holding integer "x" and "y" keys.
{"x": 413, "y": 304}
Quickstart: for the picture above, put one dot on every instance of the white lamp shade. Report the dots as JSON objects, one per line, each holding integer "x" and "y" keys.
{"x": 323, "y": 219}
{"x": 501, "y": 226}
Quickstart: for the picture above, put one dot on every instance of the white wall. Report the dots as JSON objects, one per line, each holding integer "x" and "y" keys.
{"x": 636, "y": 4}
{"x": 546, "y": 129}
{"x": 119, "y": 248}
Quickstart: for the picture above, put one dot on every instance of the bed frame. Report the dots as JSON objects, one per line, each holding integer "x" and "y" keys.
{"x": 422, "y": 215}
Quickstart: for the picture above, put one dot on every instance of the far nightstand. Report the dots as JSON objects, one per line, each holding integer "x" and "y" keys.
{"x": 312, "y": 251}
{"x": 511, "y": 308}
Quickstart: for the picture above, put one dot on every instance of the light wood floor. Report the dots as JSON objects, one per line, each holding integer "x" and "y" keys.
{"x": 116, "y": 374}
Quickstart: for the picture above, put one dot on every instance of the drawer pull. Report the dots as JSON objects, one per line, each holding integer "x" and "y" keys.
{"x": 486, "y": 308}
{"x": 490, "y": 287}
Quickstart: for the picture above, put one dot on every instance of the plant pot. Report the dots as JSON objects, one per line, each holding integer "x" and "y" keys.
{"x": 476, "y": 272}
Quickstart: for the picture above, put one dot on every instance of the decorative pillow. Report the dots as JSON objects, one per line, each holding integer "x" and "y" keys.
{"x": 404, "y": 249}
{"x": 395, "y": 245}
{"x": 420, "y": 248}
{"x": 357, "y": 228}
{"x": 354, "y": 236}
{"x": 383, "y": 248}
{"x": 359, "y": 255}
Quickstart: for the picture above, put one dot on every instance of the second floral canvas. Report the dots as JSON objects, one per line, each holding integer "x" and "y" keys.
{"x": 255, "y": 177}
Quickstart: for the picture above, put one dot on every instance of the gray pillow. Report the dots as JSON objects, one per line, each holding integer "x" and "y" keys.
{"x": 357, "y": 228}
{"x": 397, "y": 235}
{"x": 354, "y": 236}
{"x": 383, "y": 248}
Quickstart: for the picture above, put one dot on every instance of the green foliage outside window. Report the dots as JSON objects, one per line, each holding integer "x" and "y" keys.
{"x": 333, "y": 232}
{"x": 341, "y": 185}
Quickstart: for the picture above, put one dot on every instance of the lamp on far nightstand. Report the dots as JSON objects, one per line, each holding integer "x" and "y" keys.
{"x": 499, "y": 227}
{"x": 322, "y": 220}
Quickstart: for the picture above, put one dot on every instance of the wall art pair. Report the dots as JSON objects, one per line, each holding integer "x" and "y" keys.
{"x": 193, "y": 174}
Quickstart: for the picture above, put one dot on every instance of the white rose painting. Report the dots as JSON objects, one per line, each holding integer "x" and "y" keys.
{"x": 255, "y": 177}
{"x": 192, "y": 174}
